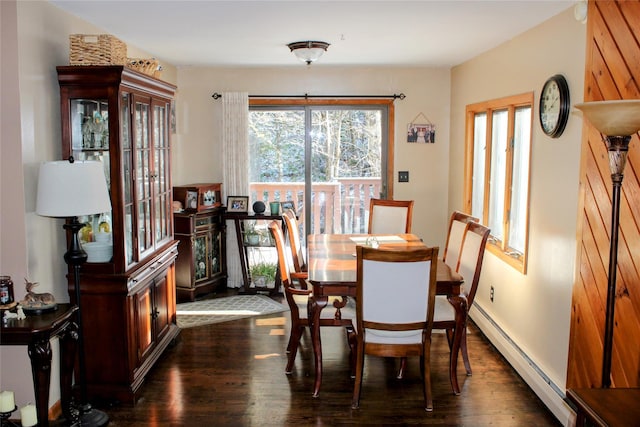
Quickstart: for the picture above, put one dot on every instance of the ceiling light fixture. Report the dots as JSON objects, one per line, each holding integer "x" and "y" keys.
{"x": 308, "y": 51}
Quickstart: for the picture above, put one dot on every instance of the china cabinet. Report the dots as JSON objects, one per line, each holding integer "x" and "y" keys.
{"x": 121, "y": 118}
{"x": 201, "y": 264}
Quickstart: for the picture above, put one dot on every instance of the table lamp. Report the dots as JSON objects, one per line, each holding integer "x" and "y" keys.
{"x": 68, "y": 189}
{"x": 616, "y": 121}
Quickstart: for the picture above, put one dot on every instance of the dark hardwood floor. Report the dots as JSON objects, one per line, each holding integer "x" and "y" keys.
{"x": 232, "y": 374}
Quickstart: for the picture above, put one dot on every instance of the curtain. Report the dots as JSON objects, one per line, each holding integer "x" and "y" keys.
{"x": 235, "y": 155}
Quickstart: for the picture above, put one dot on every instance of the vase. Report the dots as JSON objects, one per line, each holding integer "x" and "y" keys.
{"x": 275, "y": 208}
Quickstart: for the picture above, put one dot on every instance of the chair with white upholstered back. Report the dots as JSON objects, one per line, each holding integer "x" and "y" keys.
{"x": 395, "y": 293}
{"x": 469, "y": 267}
{"x": 390, "y": 216}
{"x": 457, "y": 229}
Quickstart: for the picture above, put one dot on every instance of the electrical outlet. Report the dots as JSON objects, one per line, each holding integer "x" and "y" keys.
{"x": 403, "y": 176}
{"x": 491, "y": 294}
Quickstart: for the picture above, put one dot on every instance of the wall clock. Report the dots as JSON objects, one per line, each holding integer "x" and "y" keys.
{"x": 554, "y": 105}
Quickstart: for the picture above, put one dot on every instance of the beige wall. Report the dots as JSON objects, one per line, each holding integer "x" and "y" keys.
{"x": 533, "y": 309}
{"x": 197, "y": 145}
{"x": 35, "y": 39}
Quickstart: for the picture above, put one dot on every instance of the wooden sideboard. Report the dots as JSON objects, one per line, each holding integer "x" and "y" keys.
{"x": 606, "y": 406}
{"x": 201, "y": 266}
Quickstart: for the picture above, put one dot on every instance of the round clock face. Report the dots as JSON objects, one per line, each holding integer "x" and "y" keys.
{"x": 554, "y": 106}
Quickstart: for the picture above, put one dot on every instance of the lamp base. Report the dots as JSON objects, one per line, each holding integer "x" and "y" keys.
{"x": 89, "y": 416}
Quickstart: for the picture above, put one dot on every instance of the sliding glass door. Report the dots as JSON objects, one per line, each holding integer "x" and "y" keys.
{"x": 330, "y": 160}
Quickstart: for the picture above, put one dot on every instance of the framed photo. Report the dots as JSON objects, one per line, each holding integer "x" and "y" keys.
{"x": 425, "y": 134}
{"x": 192, "y": 199}
{"x": 288, "y": 204}
{"x": 237, "y": 203}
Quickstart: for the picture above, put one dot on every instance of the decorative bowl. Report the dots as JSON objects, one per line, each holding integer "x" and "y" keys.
{"x": 98, "y": 252}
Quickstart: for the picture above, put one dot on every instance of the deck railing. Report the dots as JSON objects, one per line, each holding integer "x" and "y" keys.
{"x": 338, "y": 207}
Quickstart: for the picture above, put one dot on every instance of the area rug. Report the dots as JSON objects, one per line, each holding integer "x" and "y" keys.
{"x": 216, "y": 310}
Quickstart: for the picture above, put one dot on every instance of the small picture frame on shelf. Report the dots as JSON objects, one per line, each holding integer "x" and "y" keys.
{"x": 238, "y": 204}
{"x": 192, "y": 200}
{"x": 288, "y": 204}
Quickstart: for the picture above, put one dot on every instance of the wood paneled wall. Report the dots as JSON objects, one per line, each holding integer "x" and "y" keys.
{"x": 612, "y": 71}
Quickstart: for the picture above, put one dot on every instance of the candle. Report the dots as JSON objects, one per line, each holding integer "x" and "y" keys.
{"x": 7, "y": 402}
{"x": 28, "y": 415}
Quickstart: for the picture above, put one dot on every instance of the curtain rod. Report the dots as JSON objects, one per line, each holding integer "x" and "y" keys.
{"x": 400, "y": 96}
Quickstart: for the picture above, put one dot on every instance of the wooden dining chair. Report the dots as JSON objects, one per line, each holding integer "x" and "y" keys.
{"x": 297, "y": 299}
{"x": 457, "y": 228}
{"x": 390, "y": 216}
{"x": 395, "y": 294}
{"x": 445, "y": 317}
{"x": 297, "y": 255}
{"x": 469, "y": 267}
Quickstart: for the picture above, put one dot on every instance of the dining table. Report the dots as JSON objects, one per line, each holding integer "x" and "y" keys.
{"x": 331, "y": 261}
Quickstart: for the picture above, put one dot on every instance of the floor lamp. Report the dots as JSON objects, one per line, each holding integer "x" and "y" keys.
{"x": 616, "y": 121}
{"x": 68, "y": 189}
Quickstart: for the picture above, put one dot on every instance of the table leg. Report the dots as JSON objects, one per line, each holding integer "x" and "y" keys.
{"x": 314, "y": 308}
{"x": 243, "y": 255}
{"x": 40, "y": 355}
{"x": 460, "y": 305}
{"x": 68, "y": 346}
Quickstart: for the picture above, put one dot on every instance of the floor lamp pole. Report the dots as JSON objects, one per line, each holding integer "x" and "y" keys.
{"x": 617, "y": 147}
{"x": 75, "y": 257}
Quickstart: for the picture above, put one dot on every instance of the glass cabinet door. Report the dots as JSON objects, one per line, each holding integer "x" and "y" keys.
{"x": 143, "y": 172}
{"x": 216, "y": 252}
{"x": 127, "y": 176}
{"x": 161, "y": 178}
{"x": 90, "y": 141}
{"x": 149, "y": 156}
{"x": 201, "y": 254}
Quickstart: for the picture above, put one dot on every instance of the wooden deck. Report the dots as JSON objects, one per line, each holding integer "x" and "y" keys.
{"x": 232, "y": 374}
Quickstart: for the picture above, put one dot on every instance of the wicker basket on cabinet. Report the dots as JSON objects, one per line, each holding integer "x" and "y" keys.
{"x": 96, "y": 49}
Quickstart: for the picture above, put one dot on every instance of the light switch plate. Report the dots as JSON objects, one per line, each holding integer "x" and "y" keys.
{"x": 403, "y": 176}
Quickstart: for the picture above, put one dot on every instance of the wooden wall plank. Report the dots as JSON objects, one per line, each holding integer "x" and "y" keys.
{"x": 612, "y": 71}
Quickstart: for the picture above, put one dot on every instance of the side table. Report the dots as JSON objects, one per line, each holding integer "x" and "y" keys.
{"x": 239, "y": 219}
{"x": 36, "y": 332}
{"x": 606, "y": 406}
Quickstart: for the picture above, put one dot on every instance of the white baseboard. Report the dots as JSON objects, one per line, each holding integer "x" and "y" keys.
{"x": 550, "y": 394}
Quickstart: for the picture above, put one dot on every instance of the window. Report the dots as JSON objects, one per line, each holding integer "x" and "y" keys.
{"x": 498, "y": 154}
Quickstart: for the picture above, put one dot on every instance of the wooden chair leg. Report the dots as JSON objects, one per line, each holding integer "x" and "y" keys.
{"x": 352, "y": 340}
{"x": 403, "y": 367}
{"x": 463, "y": 350}
{"x": 426, "y": 375}
{"x": 357, "y": 385}
{"x": 292, "y": 347}
{"x": 449, "y": 333}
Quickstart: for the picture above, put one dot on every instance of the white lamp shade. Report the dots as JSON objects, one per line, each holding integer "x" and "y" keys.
{"x": 308, "y": 54}
{"x": 613, "y": 118}
{"x": 72, "y": 189}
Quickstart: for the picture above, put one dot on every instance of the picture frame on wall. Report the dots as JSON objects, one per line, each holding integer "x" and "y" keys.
{"x": 238, "y": 204}
{"x": 421, "y": 133}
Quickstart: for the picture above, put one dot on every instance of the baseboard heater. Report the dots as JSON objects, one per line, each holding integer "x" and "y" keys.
{"x": 556, "y": 401}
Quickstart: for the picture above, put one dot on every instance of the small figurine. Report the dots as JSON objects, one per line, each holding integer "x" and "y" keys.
{"x": 20, "y": 313}
{"x": 9, "y": 315}
{"x": 34, "y": 300}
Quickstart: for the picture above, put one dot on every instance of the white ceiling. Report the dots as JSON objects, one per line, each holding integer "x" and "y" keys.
{"x": 438, "y": 33}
